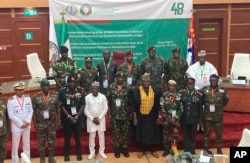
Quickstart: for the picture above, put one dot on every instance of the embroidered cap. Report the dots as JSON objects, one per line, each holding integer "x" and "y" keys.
{"x": 145, "y": 77}
{"x": 19, "y": 85}
{"x": 202, "y": 53}
{"x": 95, "y": 84}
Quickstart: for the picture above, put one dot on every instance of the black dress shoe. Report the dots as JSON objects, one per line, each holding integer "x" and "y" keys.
{"x": 79, "y": 158}
{"x": 66, "y": 158}
{"x": 117, "y": 155}
{"x": 125, "y": 152}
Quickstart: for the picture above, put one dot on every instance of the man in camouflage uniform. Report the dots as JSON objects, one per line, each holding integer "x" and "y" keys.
{"x": 118, "y": 95}
{"x": 154, "y": 66}
{"x": 63, "y": 67}
{"x": 192, "y": 114}
{"x": 72, "y": 104}
{"x": 130, "y": 69}
{"x": 132, "y": 75}
{"x": 215, "y": 98}
{"x": 46, "y": 119}
{"x": 171, "y": 111}
{"x": 4, "y": 126}
{"x": 88, "y": 75}
{"x": 175, "y": 69}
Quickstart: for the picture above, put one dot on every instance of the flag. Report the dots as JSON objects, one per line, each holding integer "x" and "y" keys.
{"x": 64, "y": 37}
{"x": 53, "y": 46}
{"x": 190, "y": 42}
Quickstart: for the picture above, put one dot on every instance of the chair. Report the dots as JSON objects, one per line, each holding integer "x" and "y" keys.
{"x": 35, "y": 67}
{"x": 24, "y": 158}
{"x": 240, "y": 66}
{"x": 118, "y": 57}
{"x": 245, "y": 138}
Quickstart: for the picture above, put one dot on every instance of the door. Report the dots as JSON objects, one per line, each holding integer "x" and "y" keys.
{"x": 210, "y": 39}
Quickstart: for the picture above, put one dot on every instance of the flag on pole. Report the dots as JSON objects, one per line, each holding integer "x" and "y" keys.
{"x": 53, "y": 46}
{"x": 190, "y": 43}
{"x": 64, "y": 37}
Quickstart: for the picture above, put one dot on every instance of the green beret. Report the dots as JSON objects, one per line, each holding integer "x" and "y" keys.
{"x": 44, "y": 81}
{"x": 176, "y": 50}
{"x": 151, "y": 48}
{"x": 119, "y": 73}
{"x": 88, "y": 59}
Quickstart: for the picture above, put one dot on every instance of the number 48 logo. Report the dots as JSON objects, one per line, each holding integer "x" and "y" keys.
{"x": 177, "y": 8}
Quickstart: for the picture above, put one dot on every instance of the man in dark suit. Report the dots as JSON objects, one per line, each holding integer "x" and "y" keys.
{"x": 107, "y": 70}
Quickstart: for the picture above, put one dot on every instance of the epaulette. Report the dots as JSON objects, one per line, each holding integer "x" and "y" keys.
{"x": 26, "y": 95}
{"x": 199, "y": 92}
{"x": 183, "y": 90}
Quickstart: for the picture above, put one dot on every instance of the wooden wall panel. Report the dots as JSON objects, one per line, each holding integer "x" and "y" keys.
{"x": 240, "y": 31}
{"x": 240, "y": 16}
{"x": 239, "y": 46}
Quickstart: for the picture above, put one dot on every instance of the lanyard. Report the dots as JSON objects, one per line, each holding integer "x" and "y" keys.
{"x": 202, "y": 70}
{"x": 45, "y": 98}
{"x": 212, "y": 94}
{"x": 65, "y": 64}
{"x": 20, "y": 102}
{"x": 106, "y": 67}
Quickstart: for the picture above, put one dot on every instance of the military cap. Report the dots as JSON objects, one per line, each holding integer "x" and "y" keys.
{"x": 176, "y": 50}
{"x": 202, "y": 53}
{"x": 145, "y": 77}
{"x": 88, "y": 59}
{"x": 19, "y": 85}
{"x": 190, "y": 81}
{"x": 128, "y": 53}
{"x": 119, "y": 73}
{"x": 171, "y": 82}
{"x": 64, "y": 49}
{"x": 44, "y": 81}
{"x": 214, "y": 76}
{"x": 95, "y": 84}
{"x": 151, "y": 48}
{"x": 71, "y": 78}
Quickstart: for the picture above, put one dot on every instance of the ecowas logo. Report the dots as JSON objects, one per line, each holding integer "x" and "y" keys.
{"x": 86, "y": 10}
{"x": 239, "y": 154}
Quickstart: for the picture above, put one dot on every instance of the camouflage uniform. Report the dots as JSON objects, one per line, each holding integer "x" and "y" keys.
{"x": 214, "y": 98}
{"x": 87, "y": 76}
{"x": 119, "y": 115}
{"x": 3, "y": 129}
{"x": 170, "y": 102}
{"x": 46, "y": 127}
{"x": 155, "y": 68}
{"x": 61, "y": 70}
{"x": 175, "y": 69}
{"x": 135, "y": 73}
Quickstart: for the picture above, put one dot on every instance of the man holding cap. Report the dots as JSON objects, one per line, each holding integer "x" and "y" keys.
{"x": 20, "y": 112}
{"x": 154, "y": 66}
{"x": 95, "y": 109}
{"x": 192, "y": 114}
{"x": 130, "y": 69}
{"x": 88, "y": 74}
{"x": 4, "y": 127}
{"x": 118, "y": 95}
{"x": 215, "y": 98}
{"x": 170, "y": 114}
{"x": 72, "y": 104}
{"x": 175, "y": 69}
{"x": 46, "y": 118}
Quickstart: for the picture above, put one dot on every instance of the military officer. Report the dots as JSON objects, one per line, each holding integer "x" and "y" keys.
{"x": 46, "y": 119}
{"x": 118, "y": 95}
{"x": 175, "y": 69}
{"x": 20, "y": 112}
{"x": 154, "y": 66}
{"x": 88, "y": 75}
{"x": 72, "y": 103}
{"x": 192, "y": 114}
{"x": 63, "y": 67}
{"x": 4, "y": 126}
{"x": 130, "y": 69}
{"x": 215, "y": 98}
{"x": 171, "y": 111}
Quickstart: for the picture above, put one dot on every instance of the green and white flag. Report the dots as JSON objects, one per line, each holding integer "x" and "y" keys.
{"x": 64, "y": 37}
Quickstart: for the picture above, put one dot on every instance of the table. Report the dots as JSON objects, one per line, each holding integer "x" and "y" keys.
{"x": 239, "y": 96}
{"x": 31, "y": 87}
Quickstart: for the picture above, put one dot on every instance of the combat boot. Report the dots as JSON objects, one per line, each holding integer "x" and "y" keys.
{"x": 51, "y": 157}
{"x": 42, "y": 158}
{"x": 219, "y": 151}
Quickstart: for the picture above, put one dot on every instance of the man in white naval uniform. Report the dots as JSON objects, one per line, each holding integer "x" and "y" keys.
{"x": 20, "y": 112}
{"x": 201, "y": 71}
{"x": 95, "y": 109}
